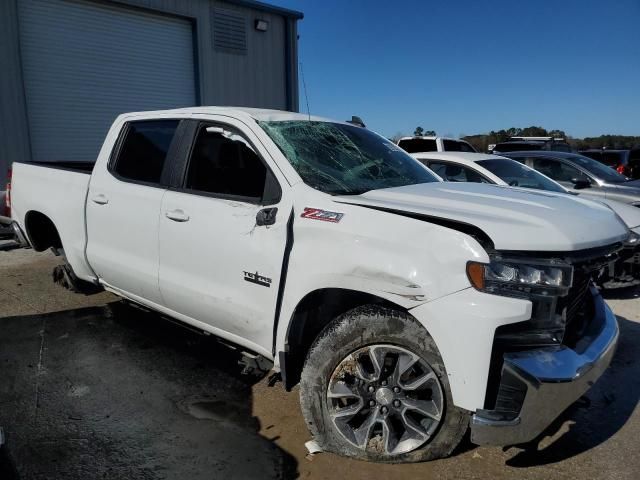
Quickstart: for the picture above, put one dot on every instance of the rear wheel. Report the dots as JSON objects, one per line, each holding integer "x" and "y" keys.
{"x": 374, "y": 387}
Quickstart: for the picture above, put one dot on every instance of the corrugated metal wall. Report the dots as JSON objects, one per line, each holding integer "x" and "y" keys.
{"x": 265, "y": 76}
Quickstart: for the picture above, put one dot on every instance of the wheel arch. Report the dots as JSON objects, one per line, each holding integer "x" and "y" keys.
{"x": 309, "y": 318}
{"x": 41, "y": 231}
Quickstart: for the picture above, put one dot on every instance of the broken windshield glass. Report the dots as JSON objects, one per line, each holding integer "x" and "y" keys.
{"x": 341, "y": 159}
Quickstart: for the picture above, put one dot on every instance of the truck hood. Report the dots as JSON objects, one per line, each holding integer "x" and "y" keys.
{"x": 514, "y": 219}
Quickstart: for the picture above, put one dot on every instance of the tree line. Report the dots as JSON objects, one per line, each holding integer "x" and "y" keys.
{"x": 482, "y": 141}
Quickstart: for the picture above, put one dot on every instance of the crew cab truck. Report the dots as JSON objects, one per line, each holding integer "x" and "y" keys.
{"x": 407, "y": 309}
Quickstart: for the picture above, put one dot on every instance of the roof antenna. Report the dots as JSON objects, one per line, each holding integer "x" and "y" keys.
{"x": 357, "y": 121}
{"x": 304, "y": 85}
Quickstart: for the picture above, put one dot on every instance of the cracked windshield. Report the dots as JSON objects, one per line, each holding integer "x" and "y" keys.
{"x": 341, "y": 159}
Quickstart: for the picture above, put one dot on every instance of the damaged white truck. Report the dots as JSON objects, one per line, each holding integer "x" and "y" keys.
{"x": 408, "y": 310}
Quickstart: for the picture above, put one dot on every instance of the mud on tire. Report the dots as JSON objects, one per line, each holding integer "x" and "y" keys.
{"x": 379, "y": 333}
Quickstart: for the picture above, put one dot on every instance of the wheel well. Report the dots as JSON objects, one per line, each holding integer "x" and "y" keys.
{"x": 314, "y": 312}
{"x": 41, "y": 231}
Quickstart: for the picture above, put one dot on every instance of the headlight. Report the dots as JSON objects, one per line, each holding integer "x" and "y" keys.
{"x": 543, "y": 282}
{"x": 632, "y": 240}
{"x": 505, "y": 275}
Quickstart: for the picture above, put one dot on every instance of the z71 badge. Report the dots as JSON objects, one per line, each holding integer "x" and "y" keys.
{"x": 257, "y": 279}
{"x": 324, "y": 215}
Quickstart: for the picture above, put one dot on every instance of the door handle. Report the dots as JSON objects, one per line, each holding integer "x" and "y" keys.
{"x": 100, "y": 199}
{"x": 177, "y": 215}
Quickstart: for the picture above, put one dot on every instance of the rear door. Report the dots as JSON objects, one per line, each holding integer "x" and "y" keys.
{"x": 123, "y": 207}
{"x": 223, "y": 232}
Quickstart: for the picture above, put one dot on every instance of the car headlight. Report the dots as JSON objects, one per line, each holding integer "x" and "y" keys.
{"x": 543, "y": 282}
{"x": 512, "y": 276}
{"x": 632, "y": 240}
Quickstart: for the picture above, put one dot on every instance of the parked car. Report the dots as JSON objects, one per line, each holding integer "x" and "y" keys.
{"x": 434, "y": 144}
{"x": 405, "y": 307}
{"x": 515, "y": 144}
{"x": 478, "y": 167}
{"x": 626, "y": 162}
{"x": 582, "y": 175}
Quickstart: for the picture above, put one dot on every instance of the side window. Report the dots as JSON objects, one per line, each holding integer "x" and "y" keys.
{"x": 457, "y": 146}
{"x": 558, "y": 171}
{"x": 224, "y": 163}
{"x": 418, "y": 145}
{"x": 451, "y": 172}
{"x": 144, "y": 150}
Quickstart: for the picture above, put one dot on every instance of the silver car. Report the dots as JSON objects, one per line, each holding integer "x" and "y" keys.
{"x": 582, "y": 175}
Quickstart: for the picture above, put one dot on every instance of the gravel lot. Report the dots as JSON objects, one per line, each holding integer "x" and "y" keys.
{"x": 94, "y": 389}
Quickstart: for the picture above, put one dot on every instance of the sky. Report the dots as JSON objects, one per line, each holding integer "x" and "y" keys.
{"x": 462, "y": 67}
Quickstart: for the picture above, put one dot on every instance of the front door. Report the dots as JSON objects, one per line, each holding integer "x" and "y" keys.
{"x": 222, "y": 237}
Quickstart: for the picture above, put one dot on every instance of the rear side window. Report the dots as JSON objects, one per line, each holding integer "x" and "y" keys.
{"x": 517, "y": 147}
{"x": 144, "y": 150}
{"x": 224, "y": 163}
{"x": 418, "y": 145}
{"x": 457, "y": 146}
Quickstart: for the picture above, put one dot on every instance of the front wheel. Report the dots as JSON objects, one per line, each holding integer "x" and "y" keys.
{"x": 374, "y": 387}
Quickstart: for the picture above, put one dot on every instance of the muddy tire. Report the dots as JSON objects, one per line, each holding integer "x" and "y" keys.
{"x": 374, "y": 387}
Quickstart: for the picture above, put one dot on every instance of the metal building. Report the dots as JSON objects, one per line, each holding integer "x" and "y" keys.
{"x": 68, "y": 67}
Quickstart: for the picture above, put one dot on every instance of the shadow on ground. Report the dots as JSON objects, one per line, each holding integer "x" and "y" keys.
{"x": 597, "y": 416}
{"x": 114, "y": 392}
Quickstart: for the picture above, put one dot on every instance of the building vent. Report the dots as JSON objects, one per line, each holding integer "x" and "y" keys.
{"x": 229, "y": 31}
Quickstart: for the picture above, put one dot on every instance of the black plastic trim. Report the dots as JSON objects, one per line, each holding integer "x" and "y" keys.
{"x": 283, "y": 279}
{"x": 78, "y": 167}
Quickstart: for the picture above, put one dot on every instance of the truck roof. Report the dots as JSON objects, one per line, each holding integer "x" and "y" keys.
{"x": 260, "y": 114}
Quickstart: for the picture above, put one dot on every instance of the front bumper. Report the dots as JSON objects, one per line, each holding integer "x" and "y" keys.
{"x": 546, "y": 381}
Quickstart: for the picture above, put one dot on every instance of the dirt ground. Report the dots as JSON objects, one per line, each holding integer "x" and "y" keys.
{"x": 94, "y": 389}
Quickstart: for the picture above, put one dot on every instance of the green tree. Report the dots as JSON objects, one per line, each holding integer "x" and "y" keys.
{"x": 430, "y": 133}
{"x": 418, "y": 132}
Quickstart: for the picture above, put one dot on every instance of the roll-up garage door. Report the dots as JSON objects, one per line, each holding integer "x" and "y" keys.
{"x": 86, "y": 62}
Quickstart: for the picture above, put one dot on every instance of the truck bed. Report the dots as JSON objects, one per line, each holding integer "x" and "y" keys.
{"x": 58, "y": 191}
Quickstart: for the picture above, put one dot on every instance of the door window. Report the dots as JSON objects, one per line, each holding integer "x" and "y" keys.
{"x": 452, "y": 172}
{"x": 223, "y": 163}
{"x": 558, "y": 171}
{"x": 142, "y": 155}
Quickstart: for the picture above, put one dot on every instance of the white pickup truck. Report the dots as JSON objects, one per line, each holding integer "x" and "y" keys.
{"x": 407, "y": 309}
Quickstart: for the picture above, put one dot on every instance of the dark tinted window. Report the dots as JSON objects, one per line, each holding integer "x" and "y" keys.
{"x": 615, "y": 159}
{"x": 558, "y": 171}
{"x": 223, "y": 162}
{"x": 452, "y": 172}
{"x": 457, "y": 146}
{"x": 144, "y": 150}
{"x": 517, "y": 147}
{"x": 418, "y": 145}
{"x": 560, "y": 147}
